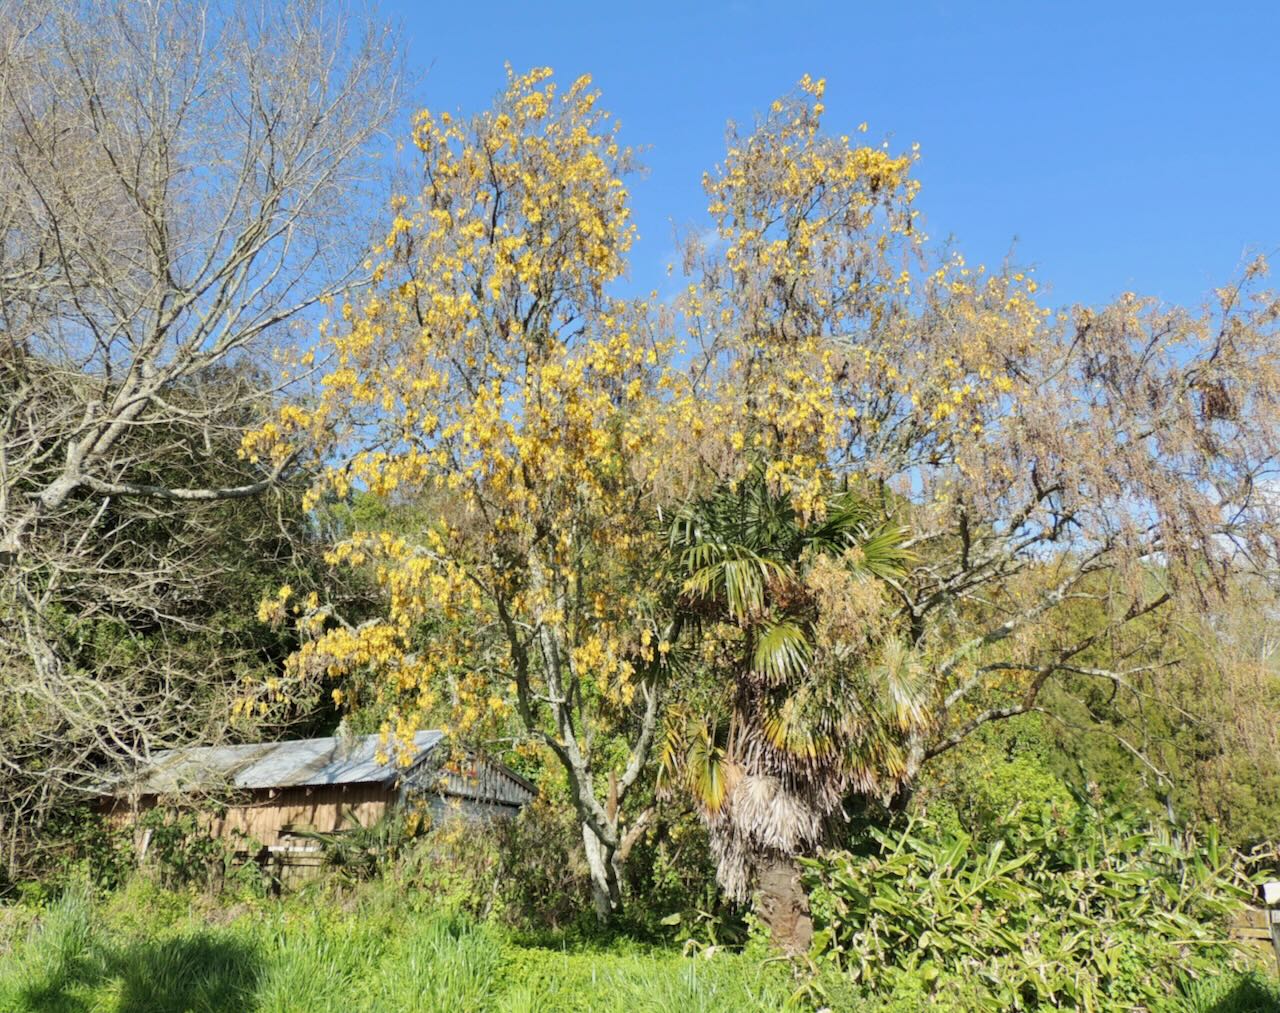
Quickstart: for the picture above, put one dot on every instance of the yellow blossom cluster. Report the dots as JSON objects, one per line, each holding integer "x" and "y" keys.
{"x": 829, "y": 337}
{"x": 810, "y": 230}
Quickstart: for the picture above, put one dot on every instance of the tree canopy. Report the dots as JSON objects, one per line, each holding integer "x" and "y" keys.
{"x": 1032, "y": 465}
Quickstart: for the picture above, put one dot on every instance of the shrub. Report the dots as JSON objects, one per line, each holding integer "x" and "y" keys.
{"x": 455, "y": 862}
{"x": 1094, "y": 912}
{"x": 1004, "y": 774}
{"x": 183, "y": 851}
{"x": 358, "y": 852}
{"x": 526, "y": 871}
{"x": 542, "y": 879}
{"x": 671, "y": 874}
{"x": 76, "y": 846}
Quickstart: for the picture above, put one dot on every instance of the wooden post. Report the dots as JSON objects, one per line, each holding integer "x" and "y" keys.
{"x": 1271, "y": 898}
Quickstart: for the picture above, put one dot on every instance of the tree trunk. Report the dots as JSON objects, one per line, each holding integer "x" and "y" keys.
{"x": 605, "y": 866}
{"x": 783, "y": 905}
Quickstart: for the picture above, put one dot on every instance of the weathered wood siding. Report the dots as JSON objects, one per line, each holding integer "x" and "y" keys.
{"x": 267, "y": 812}
{"x": 317, "y": 808}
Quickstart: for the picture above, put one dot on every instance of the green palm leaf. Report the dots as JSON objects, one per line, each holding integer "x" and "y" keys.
{"x": 881, "y": 553}
{"x": 782, "y": 651}
{"x": 707, "y": 770}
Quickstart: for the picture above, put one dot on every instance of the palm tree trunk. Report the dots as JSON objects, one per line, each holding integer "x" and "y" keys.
{"x": 783, "y": 905}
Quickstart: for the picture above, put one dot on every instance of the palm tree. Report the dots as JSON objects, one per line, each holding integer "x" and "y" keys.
{"x": 812, "y": 692}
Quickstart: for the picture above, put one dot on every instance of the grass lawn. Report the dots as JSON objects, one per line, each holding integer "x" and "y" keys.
{"x": 147, "y": 950}
{"x": 144, "y": 949}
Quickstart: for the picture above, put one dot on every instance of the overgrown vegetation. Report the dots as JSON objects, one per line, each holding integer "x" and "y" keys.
{"x": 1098, "y": 910}
{"x": 874, "y": 633}
{"x": 379, "y": 949}
{"x": 1055, "y": 905}
{"x": 386, "y": 945}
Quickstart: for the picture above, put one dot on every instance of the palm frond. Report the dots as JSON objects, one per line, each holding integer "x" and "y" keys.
{"x": 729, "y": 573}
{"x": 708, "y": 772}
{"x": 789, "y": 728}
{"x": 782, "y": 651}
{"x": 881, "y": 553}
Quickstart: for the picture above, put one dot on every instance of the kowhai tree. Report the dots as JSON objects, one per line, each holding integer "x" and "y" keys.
{"x": 490, "y": 363}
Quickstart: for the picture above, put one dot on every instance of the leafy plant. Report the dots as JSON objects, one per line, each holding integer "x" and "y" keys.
{"x": 1101, "y": 910}
{"x": 185, "y": 852}
{"x": 361, "y": 852}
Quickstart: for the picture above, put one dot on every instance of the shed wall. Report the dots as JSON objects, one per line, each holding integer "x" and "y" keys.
{"x": 322, "y": 808}
{"x": 268, "y": 811}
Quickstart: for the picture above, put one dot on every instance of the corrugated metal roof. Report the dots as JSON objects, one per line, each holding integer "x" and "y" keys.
{"x": 482, "y": 781}
{"x": 302, "y": 763}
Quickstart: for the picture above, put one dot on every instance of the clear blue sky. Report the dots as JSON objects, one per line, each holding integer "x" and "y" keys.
{"x": 1122, "y": 145}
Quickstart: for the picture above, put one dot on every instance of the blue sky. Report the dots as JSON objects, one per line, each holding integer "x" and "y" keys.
{"x": 1120, "y": 146}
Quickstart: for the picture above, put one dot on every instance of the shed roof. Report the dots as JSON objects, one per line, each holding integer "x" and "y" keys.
{"x": 301, "y": 763}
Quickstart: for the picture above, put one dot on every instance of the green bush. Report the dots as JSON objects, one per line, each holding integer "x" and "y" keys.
{"x": 183, "y": 851}
{"x": 671, "y": 884}
{"x": 359, "y": 852}
{"x": 76, "y": 846}
{"x": 1099, "y": 911}
{"x": 1002, "y": 775}
{"x": 526, "y": 871}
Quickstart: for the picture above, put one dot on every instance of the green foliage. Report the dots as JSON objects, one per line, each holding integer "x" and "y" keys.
{"x": 1097, "y": 911}
{"x": 1209, "y": 729}
{"x": 358, "y": 851}
{"x": 671, "y": 869}
{"x": 459, "y": 864}
{"x": 1001, "y": 775}
{"x": 84, "y": 848}
{"x": 805, "y": 691}
{"x": 1191, "y": 729}
{"x": 183, "y": 851}
{"x": 528, "y": 874}
{"x": 383, "y": 945}
{"x": 374, "y": 950}
{"x": 541, "y": 878}
{"x": 524, "y": 873}
{"x": 1247, "y": 992}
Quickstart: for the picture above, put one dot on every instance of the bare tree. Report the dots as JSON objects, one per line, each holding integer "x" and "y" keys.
{"x": 178, "y": 184}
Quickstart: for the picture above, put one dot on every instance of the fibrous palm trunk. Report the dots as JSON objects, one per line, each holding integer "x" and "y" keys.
{"x": 783, "y": 905}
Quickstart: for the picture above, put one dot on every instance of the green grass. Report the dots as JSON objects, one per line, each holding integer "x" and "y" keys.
{"x": 1244, "y": 993}
{"x": 145, "y": 950}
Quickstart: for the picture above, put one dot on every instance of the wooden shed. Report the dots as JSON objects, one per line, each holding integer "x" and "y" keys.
{"x": 277, "y": 788}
